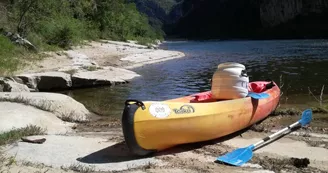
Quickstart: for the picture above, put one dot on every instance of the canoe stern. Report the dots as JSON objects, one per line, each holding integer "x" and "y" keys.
{"x": 128, "y": 128}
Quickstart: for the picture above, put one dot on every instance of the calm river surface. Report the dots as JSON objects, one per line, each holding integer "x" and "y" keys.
{"x": 299, "y": 63}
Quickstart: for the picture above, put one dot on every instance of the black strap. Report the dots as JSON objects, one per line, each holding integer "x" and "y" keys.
{"x": 269, "y": 85}
{"x": 137, "y": 102}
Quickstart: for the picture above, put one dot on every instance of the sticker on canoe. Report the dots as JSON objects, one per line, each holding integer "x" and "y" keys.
{"x": 185, "y": 109}
{"x": 159, "y": 110}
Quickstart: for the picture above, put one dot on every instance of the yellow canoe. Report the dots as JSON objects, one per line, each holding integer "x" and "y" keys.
{"x": 152, "y": 126}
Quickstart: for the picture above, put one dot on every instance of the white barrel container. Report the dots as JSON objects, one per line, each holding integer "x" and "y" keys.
{"x": 230, "y": 81}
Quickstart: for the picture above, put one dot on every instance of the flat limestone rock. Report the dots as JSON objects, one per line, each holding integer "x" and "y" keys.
{"x": 47, "y": 80}
{"x": 17, "y": 115}
{"x": 10, "y": 85}
{"x": 63, "y": 106}
{"x": 106, "y": 76}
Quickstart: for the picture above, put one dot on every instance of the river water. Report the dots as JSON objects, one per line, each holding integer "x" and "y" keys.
{"x": 298, "y": 65}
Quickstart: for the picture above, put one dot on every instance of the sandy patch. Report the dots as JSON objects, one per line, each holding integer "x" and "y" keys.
{"x": 52, "y": 61}
{"x": 101, "y": 53}
{"x": 141, "y": 59}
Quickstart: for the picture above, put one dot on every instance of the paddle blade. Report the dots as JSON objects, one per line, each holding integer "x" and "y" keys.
{"x": 306, "y": 117}
{"x": 258, "y": 95}
{"x": 237, "y": 157}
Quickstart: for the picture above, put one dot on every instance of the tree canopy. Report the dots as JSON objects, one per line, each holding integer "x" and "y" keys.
{"x": 63, "y": 22}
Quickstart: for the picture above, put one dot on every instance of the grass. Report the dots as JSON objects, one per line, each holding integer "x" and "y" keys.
{"x": 71, "y": 71}
{"x": 9, "y": 56}
{"x": 12, "y": 136}
{"x": 149, "y": 165}
{"x": 296, "y": 111}
{"x": 15, "y": 134}
{"x": 79, "y": 168}
{"x": 11, "y": 161}
{"x": 286, "y": 111}
{"x": 6, "y": 162}
{"x": 13, "y": 57}
{"x": 35, "y": 165}
{"x": 43, "y": 105}
{"x": 2, "y": 158}
{"x": 91, "y": 68}
{"x": 72, "y": 118}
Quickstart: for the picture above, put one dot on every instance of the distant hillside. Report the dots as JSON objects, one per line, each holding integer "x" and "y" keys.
{"x": 160, "y": 12}
{"x": 238, "y": 18}
{"x": 159, "y": 9}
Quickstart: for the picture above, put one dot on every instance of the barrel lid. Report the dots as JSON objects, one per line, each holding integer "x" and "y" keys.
{"x": 230, "y": 65}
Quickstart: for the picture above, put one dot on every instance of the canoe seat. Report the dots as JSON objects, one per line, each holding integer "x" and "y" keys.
{"x": 259, "y": 87}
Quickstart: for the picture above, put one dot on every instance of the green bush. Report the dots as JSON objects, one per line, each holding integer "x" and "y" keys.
{"x": 17, "y": 133}
{"x": 57, "y": 24}
{"x": 63, "y": 31}
{"x": 63, "y": 22}
{"x": 8, "y": 56}
{"x": 121, "y": 21}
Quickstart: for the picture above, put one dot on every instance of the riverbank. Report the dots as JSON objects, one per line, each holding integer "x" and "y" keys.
{"x": 100, "y": 54}
{"x": 95, "y": 63}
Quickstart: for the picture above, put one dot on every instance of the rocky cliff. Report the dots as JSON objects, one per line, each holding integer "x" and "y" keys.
{"x": 159, "y": 12}
{"x": 242, "y": 18}
{"x": 275, "y": 12}
{"x": 217, "y": 18}
{"x": 294, "y": 19}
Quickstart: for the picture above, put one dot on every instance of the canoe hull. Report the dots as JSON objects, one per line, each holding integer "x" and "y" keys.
{"x": 188, "y": 122}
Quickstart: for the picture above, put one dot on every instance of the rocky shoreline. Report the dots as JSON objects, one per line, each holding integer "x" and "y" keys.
{"x": 76, "y": 140}
{"x": 93, "y": 64}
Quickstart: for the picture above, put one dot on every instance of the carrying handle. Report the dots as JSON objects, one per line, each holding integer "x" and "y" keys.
{"x": 137, "y": 102}
{"x": 243, "y": 73}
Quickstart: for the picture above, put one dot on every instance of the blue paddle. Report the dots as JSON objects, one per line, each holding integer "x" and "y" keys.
{"x": 242, "y": 155}
{"x": 258, "y": 95}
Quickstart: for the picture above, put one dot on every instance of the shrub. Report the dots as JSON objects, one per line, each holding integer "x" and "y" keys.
{"x": 8, "y": 58}
{"x": 52, "y": 24}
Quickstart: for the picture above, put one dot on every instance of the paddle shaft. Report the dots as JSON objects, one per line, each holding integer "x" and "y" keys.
{"x": 276, "y": 134}
{"x": 242, "y": 155}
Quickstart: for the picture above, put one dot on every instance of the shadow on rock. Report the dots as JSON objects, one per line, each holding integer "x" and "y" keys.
{"x": 121, "y": 153}
{"x": 112, "y": 154}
